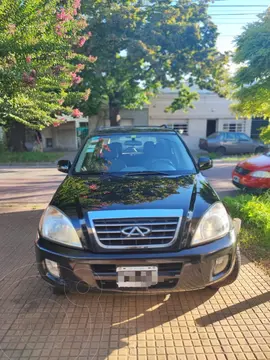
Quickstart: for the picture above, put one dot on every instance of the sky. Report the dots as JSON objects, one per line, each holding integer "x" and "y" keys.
{"x": 231, "y": 15}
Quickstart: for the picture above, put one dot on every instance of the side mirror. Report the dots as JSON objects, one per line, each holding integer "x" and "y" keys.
{"x": 63, "y": 166}
{"x": 205, "y": 163}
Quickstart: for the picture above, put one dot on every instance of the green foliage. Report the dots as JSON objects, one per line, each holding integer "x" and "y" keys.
{"x": 184, "y": 100}
{"x": 2, "y": 146}
{"x": 38, "y": 62}
{"x": 14, "y": 157}
{"x": 252, "y": 80}
{"x": 255, "y": 214}
{"x": 265, "y": 134}
{"x": 142, "y": 48}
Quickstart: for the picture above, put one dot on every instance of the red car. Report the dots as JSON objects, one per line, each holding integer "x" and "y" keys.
{"x": 253, "y": 173}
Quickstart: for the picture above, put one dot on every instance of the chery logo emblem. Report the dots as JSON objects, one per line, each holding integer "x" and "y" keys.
{"x": 134, "y": 231}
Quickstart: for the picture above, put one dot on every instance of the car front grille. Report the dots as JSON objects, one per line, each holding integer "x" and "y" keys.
{"x": 136, "y": 232}
{"x": 242, "y": 171}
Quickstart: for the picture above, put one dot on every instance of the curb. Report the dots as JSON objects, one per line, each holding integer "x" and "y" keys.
{"x": 29, "y": 164}
{"x": 226, "y": 161}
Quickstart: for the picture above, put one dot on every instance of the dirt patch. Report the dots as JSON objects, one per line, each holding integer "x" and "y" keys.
{"x": 254, "y": 255}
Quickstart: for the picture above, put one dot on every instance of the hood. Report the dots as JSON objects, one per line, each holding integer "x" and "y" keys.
{"x": 260, "y": 162}
{"x": 80, "y": 194}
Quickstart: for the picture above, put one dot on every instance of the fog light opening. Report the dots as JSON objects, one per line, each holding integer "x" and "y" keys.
{"x": 53, "y": 268}
{"x": 221, "y": 264}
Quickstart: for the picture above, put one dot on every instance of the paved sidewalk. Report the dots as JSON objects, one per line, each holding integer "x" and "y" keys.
{"x": 230, "y": 324}
{"x": 28, "y": 187}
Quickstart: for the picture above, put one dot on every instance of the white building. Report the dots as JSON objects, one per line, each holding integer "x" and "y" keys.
{"x": 67, "y": 136}
{"x": 211, "y": 113}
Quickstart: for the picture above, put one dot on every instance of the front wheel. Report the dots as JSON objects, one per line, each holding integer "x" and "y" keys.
{"x": 233, "y": 275}
{"x": 221, "y": 151}
{"x": 259, "y": 150}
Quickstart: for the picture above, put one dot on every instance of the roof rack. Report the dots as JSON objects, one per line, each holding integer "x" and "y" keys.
{"x": 132, "y": 127}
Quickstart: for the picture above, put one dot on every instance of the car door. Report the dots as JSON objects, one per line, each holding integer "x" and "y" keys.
{"x": 245, "y": 143}
{"x": 231, "y": 143}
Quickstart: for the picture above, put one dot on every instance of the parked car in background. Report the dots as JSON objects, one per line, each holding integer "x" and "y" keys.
{"x": 135, "y": 212}
{"x": 231, "y": 143}
{"x": 253, "y": 173}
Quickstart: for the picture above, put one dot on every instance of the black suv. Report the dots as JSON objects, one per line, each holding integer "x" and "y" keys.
{"x": 135, "y": 213}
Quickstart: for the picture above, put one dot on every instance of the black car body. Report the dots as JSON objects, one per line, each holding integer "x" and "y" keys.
{"x": 134, "y": 230}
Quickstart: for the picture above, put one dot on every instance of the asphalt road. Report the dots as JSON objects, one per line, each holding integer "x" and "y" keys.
{"x": 220, "y": 176}
{"x": 34, "y": 187}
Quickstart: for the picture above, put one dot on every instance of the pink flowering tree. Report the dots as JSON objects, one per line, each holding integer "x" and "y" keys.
{"x": 41, "y": 78}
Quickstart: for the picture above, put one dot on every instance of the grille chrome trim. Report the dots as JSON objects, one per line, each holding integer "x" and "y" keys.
{"x": 115, "y": 215}
{"x": 135, "y": 238}
{"x": 153, "y": 231}
{"x": 138, "y": 224}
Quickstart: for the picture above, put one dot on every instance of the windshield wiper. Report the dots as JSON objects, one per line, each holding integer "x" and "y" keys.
{"x": 106, "y": 175}
{"x": 102, "y": 173}
{"x": 145, "y": 173}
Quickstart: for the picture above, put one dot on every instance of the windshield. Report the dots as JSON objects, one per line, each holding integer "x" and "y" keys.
{"x": 213, "y": 136}
{"x": 131, "y": 153}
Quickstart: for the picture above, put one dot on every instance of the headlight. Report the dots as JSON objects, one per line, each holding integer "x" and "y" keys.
{"x": 214, "y": 224}
{"x": 56, "y": 226}
{"x": 261, "y": 174}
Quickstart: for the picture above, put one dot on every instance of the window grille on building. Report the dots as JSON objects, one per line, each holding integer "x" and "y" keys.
{"x": 181, "y": 127}
{"x": 235, "y": 127}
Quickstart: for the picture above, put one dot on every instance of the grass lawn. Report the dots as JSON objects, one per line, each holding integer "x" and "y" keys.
{"x": 255, "y": 233}
{"x": 227, "y": 158}
{"x": 28, "y": 157}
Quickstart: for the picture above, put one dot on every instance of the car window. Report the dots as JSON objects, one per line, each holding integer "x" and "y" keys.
{"x": 214, "y": 135}
{"x": 231, "y": 136}
{"x": 243, "y": 137}
{"x": 161, "y": 152}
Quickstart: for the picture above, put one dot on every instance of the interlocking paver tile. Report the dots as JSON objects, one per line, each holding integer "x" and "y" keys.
{"x": 230, "y": 324}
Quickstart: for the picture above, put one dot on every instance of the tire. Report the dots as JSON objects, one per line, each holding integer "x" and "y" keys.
{"x": 259, "y": 150}
{"x": 233, "y": 275}
{"x": 221, "y": 151}
{"x": 58, "y": 290}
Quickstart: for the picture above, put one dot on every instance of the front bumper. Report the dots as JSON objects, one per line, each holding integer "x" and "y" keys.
{"x": 250, "y": 183}
{"x": 188, "y": 269}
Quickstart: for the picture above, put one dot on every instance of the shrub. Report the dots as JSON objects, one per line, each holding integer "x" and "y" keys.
{"x": 254, "y": 211}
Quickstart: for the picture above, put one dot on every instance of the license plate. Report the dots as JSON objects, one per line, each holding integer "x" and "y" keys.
{"x": 236, "y": 179}
{"x": 137, "y": 276}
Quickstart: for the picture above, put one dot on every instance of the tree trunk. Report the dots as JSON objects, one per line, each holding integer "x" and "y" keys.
{"x": 16, "y": 137}
{"x": 114, "y": 110}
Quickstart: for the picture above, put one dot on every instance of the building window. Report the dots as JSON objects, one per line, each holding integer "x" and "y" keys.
{"x": 235, "y": 127}
{"x": 49, "y": 143}
{"x": 181, "y": 127}
{"x": 84, "y": 124}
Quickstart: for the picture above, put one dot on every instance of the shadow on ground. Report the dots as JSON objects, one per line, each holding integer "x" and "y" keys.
{"x": 34, "y": 323}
